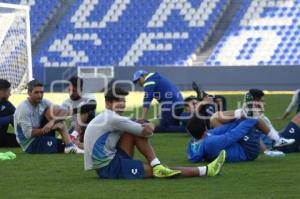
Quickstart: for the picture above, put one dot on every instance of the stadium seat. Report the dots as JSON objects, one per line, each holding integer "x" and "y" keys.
{"x": 40, "y": 13}
{"x": 133, "y": 33}
{"x": 276, "y": 23}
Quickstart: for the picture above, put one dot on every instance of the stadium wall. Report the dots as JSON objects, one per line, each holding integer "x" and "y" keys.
{"x": 210, "y": 78}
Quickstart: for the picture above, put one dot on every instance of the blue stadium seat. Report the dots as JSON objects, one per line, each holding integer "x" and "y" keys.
{"x": 138, "y": 33}
{"x": 276, "y": 26}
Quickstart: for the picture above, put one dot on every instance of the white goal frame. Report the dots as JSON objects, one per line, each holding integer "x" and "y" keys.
{"x": 27, "y": 77}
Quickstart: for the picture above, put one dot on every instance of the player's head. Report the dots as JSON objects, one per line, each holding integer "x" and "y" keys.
{"x": 190, "y": 104}
{"x": 4, "y": 90}
{"x": 35, "y": 90}
{"x": 255, "y": 98}
{"x": 115, "y": 99}
{"x": 197, "y": 127}
{"x": 75, "y": 88}
{"x": 207, "y": 97}
{"x": 139, "y": 77}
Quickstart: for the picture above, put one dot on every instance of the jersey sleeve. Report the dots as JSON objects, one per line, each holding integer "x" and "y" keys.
{"x": 124, "y": 124}
{"x": 24, "y": 122}
{"x": 195, "y": 151}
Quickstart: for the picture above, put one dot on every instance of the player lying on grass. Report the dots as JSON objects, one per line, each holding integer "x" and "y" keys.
{"x": 239, "y": 137}
{"x": 210, "y": 104}
{"x": 36, "y": 121}
{"x": 7, "y": 111}
{"x": 82, "y": 108}
{"x": 166, "y": 93}
{"x": 109, "y": 143}
{"x": 255, "y": 100}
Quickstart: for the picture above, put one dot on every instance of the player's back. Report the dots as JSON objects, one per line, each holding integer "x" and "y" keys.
{"x": 166, "y": 89}
{"x": 100, "y": 140}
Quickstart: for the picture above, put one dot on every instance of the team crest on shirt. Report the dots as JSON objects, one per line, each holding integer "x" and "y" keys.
{"x": 246, "y": 138}
{"x": 134, "y": 171}
{"x": 292, "y": 130}
{"x": 49, "y": 143}
{"x": 3, "y": 107}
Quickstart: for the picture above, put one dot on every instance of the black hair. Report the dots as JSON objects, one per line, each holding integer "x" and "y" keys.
{"x": 115, "y": 93}
{"x": 76, "y": 82}
{"x": 34, "y": 83}
{"x": 188, "y": 99}
{"x": 4, "y": 84}
{"x": 256, "y": 94}
{"x": 196, "y": 126}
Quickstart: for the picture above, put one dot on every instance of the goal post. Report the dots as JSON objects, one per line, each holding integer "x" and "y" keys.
{"x": 15, "y": 45}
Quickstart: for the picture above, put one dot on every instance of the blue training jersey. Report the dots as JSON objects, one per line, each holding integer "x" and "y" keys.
{"x": 162, "y": 89}
{"x": 203, "y": 149}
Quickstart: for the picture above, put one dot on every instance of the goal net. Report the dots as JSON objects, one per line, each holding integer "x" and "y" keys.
{"x": 15, "y": 45}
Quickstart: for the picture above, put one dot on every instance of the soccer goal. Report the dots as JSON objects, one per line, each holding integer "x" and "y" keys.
{"x": 15, "y": 45}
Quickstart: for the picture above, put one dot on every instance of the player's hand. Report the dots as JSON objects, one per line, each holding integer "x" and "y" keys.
{"x": 48, "y": 127}
{"x": 141, "y": 120}
{"x": 148, "y": 129}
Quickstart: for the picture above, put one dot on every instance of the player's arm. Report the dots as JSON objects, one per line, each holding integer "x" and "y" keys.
{"x": 291, "y": 105}
{"x": 124, "y": 124}
{"x": 148, "y": 97}
{"x": 24, "y": 123}
{"x": 8, "y": 117}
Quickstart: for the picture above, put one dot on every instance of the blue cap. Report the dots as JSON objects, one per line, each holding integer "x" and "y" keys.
{"x": 138, "y": 74}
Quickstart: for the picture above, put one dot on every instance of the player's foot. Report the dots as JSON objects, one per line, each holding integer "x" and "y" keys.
{"x": 160, "y": 171}
{"x": 248, "y": 108}
{"x": 215, "y": 167}
{"x": 274, "y": 153}
{"x": 73, "y": 149}
{"x": 283, "y": 142}
{"x": 198, "y": 91}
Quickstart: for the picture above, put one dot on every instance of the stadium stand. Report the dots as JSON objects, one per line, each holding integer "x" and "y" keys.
{"x": 262, "y": 33}
{"x": 40, "y": 13}
{"x": 130, "y": 33}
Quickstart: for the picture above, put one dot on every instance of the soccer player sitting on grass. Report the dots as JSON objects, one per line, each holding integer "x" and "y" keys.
{"x": 109, "y": 143}
{"x": 239, "y": 137}
{"x": 36, "y": 121}
{"x": 7, "y": 111}
{"x": 81, "y": 107}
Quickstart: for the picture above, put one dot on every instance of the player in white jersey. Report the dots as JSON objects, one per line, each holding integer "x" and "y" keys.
{"x": 36, "y": 121}
{"x": 109, "y": 143}
{"x": 82, "y": 107}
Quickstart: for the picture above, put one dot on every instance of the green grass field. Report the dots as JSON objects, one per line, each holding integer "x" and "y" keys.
{"x": 62, "y": 176}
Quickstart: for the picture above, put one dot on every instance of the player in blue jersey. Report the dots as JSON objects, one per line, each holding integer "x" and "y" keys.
{"x": 109, "y": 143}
{"x": 7, "y": 111}
{"x": 166, "y": 93}
{"x": 239, "y": 137}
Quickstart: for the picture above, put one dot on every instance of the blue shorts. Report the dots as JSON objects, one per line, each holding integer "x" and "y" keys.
{"x": 122, "y": 167}
{"x": 292, "y": 131}
{"x": 45, "y": 144}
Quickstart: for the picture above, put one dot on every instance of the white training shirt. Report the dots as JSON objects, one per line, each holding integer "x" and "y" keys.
{"x": 102, "y": 136}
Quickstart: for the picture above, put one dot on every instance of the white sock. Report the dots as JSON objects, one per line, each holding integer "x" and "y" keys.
{"x": 75, "y": 134}
{"x": 202, "y": 170}
{"x": 273, "y": 135}
{"x": 154, "y": 162}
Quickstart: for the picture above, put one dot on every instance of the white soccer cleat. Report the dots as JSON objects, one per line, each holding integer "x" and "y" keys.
{"x": 74, "y": 149}
{"x": 283, "y": 142}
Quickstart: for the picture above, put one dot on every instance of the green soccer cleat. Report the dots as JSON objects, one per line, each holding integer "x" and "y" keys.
{"x": 160, "y": 171}
{"x": 215, "y": 167}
